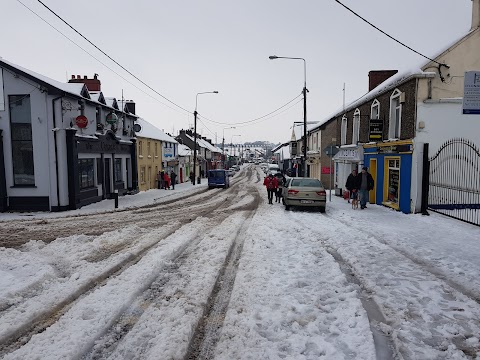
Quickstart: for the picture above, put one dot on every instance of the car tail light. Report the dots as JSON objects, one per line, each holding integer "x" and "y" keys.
{"x": 293, "y": 191}
{"x": 321, "y": 193}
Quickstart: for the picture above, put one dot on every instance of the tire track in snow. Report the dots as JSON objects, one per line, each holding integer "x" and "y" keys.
{"x": 16, "y": 337}
{"x": 207, "y": 333}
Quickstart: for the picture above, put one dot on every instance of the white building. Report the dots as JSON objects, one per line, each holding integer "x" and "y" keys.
{"x": 61, "y": 146}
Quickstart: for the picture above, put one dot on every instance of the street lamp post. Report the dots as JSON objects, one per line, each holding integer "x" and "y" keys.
{"x": 274, "y": 57}
{"x": 223, "y": 143}
{"x": 195, "y": 113}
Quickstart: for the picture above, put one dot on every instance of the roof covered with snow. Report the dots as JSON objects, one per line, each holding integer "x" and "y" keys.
{"x": 152, "y": 132}
{"x": 184, "y": 150}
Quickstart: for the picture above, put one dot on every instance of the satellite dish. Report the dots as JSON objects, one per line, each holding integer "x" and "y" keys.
{"x": 137, "y": 128}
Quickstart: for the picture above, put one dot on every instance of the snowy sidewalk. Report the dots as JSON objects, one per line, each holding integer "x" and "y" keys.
{"x": 142, "y": 198}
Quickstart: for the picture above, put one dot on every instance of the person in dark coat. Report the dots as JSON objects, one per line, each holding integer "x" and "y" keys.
{"x": 173, "y": 178}
{"x": 350, "y": 184}
{"x": 364, "y": 183}
{"x": 191, "y": 177}
{"x": 161, "y": 184}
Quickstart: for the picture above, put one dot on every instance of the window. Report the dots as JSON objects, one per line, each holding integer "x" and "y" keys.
{"x": 344, "y": 130}
{"x": 118, "y": 170}
{"x": 86, "y": 173}
{"x": 356, "y": 127}
{"x": 142, "y": 174}
{"x": 156, "y": 150}
{"x": 22, "y": 145}
{"x": 148, "y": 148}
{"x": 393, "y": 180}
{"x": 99, "y": 171}
{"x": 149, "y": 175}
{"x": 395, "y": 115}
{"x": 375, "y": 110}
{"x": 140, "y": 148}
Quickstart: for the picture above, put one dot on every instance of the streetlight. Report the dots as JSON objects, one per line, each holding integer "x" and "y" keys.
{"x": 274, "y": 57}
{"x": 195, "y": 133}
{"x": 223, "y": 143}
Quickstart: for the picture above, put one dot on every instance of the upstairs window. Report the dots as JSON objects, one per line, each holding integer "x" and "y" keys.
{"x": 21, "y": 137}
{"x": 356, "y": 127}
{"x": 395, "y": 115}
{"x": 140, "y": 148}
{"x": 344, "y": 130}
{"x": 375, "y": 110}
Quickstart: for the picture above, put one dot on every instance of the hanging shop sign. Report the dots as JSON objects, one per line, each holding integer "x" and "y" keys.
{"x": 376, "y": 130}
{"x": 81, "y": 121}
{"x": 137, "y": 128}
{"x": 112, "y": 118}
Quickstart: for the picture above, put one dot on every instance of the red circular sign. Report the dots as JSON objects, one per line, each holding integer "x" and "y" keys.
{"x": 81, "y": 121}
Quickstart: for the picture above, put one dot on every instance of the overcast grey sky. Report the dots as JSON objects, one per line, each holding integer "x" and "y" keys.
{"x": 181, "y": 48}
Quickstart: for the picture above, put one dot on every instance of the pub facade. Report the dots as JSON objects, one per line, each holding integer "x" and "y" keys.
{"x": 63, "y": 145}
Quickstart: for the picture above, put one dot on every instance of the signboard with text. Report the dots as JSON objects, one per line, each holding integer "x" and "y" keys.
{"x": 471, "y": 93}
{"x": 376, "y": 130}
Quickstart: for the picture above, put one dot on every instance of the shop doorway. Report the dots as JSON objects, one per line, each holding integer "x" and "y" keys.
{"x": 373, "y": 172}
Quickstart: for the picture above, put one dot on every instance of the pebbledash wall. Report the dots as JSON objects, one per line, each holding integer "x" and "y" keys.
{"x": 47, "y": 162}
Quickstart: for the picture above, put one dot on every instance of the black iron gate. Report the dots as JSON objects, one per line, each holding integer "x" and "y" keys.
{"x": 454, "y": 181}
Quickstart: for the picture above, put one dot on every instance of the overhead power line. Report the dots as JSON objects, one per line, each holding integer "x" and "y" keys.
{"x": 243, "y": 123}
{"x": 384, "y": 33}
{"x": 91, "y": 55}
{"x": 253, "y": 120}
{"x": 116, "y": 62}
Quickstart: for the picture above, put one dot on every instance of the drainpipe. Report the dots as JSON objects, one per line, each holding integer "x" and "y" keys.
{"x": 55, "y": 129}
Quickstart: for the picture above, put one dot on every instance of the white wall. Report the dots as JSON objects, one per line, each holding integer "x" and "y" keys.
{"x": 41, "y": 134}
{"x": 444, "y": 121}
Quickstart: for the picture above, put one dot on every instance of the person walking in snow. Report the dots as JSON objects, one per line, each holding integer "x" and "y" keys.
{"x": 173, "y": 178}
{"x": 271, "y": 183}
{"x": 166, "y": 181}
{"x": 161, "y": 180}
{"x": 351, "y": 184}
{"x": 364, "y": 183}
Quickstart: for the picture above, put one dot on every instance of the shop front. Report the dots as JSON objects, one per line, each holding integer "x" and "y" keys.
{"x": 102, "y": 166}
{"x": 391, "y": 167}
{"x": 348, "y": 158}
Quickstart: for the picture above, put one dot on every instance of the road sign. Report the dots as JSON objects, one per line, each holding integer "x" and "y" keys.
{"x": 471, "y": 93}
{"x": 330, "y": 150}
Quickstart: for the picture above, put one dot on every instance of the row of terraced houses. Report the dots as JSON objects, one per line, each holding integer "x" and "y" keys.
{"x": 413, "y": 131}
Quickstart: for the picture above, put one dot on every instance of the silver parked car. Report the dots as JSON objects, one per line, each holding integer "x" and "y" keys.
{"x": 306, "y": 192}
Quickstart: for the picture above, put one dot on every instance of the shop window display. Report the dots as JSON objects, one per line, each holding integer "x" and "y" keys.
{"x": 393, "y": 180}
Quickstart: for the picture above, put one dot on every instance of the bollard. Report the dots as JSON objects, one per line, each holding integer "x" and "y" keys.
{"x": 115, "y": 196}
{"x": 198, "y": 180}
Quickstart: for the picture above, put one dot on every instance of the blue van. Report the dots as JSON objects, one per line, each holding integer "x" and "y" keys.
{"x": 218, "y": 178}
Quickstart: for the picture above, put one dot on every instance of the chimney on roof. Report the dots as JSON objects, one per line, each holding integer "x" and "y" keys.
{"x": 475, "y": 14}
{"x": 376, "y": 77}
{"x": 91, "y": 84}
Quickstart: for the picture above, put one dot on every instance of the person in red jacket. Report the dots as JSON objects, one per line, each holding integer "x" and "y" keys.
{"x": 166, "y": 179}
{"x": 271, "y": 183}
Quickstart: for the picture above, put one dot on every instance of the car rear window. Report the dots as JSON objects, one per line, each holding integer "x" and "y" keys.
{"x": 216, "y": 174}
{"x": 306, "y": 183}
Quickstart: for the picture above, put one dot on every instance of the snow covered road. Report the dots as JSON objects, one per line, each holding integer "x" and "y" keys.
{"x": 221, "y": 274}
